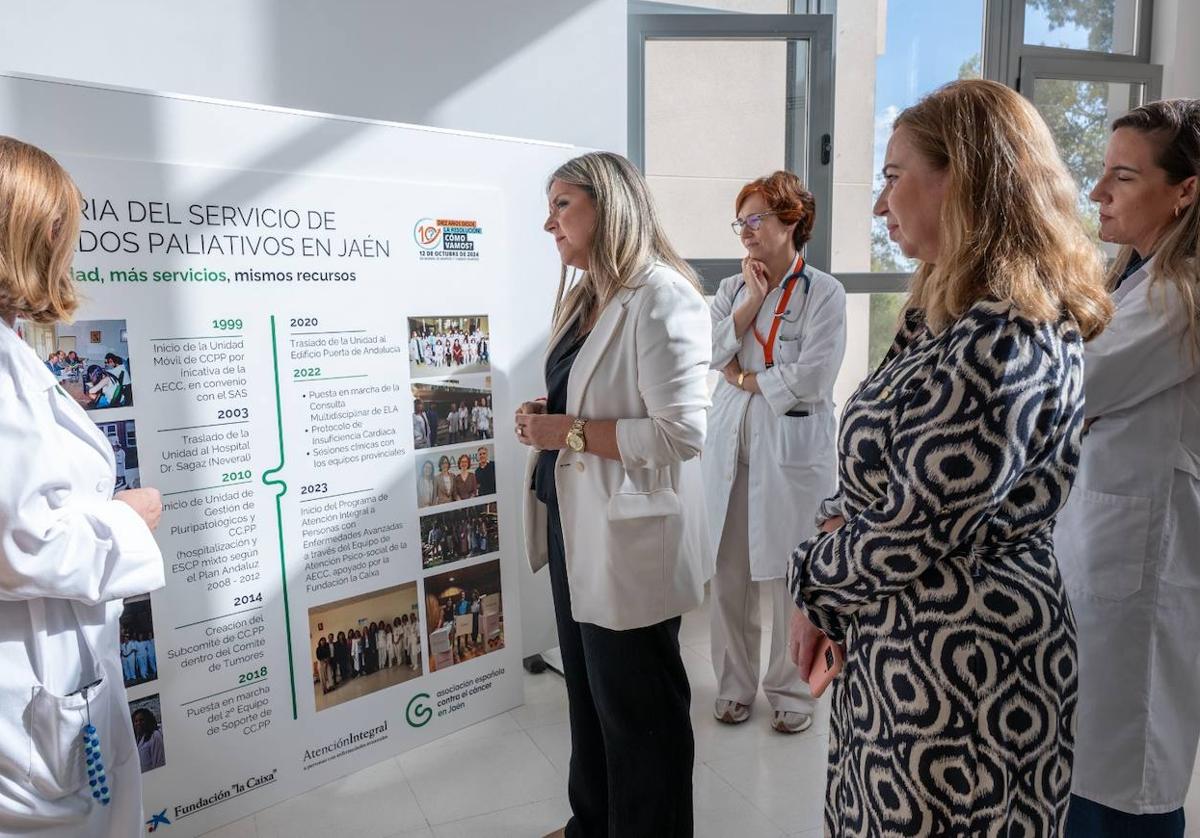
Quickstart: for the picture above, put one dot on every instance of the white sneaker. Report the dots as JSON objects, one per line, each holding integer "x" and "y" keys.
{"x": 730, "y": 712}
{"x": 787, "y": 721}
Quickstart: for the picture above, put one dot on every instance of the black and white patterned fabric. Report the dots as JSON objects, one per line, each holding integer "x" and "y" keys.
{"x": 955, "y": 709}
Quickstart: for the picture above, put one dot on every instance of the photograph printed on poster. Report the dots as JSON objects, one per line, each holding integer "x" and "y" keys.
{"x": 139, "y": 662}
{"x": 90, "y": 359}
{"x": 364, "y": 644}
{"x": 459, "y": 534}
{"x": 464, "y": 614}
{"x": 146, "y": 715}
{"x": 123, "y": 437}
{"x": 457, "y": 474}
{"x": 450, "y": 412}
{"x": 448, "y": 345}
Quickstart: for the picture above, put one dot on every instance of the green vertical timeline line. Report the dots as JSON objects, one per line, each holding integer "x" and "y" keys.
{"x": 287, "y": 613}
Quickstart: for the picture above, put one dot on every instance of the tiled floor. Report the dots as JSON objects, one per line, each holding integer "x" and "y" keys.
{"x": 750, "y": 782}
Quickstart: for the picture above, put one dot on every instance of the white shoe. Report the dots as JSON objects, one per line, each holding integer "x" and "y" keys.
{"x": 787, "y": 721}
{"x": 730, "y": 712}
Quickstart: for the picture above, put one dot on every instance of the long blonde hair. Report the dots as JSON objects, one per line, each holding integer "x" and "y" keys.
{"x": 39, "y": 227}
{"x": 1175, "y": 125}
{"x": 627, "y": 237}
{"x": 1009, "y": 228}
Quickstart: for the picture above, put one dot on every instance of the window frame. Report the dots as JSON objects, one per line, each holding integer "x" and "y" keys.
{"x": 819, "y": 102}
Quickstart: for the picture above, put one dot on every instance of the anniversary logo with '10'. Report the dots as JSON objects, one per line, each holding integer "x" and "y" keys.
{"x": 439, "y": 239}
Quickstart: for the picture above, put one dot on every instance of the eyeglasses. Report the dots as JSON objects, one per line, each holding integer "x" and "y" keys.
{"x": 751, "y": 221}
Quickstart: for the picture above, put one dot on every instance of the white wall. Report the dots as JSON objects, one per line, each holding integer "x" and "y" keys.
{"x": 541, "y": 69}
{"x": 1176, "y": 23}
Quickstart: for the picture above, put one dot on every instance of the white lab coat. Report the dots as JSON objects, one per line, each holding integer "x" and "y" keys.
{"x": 793, "y": 460}
{"x": 1128, "y": 545}
{"x": 68, "y": 555}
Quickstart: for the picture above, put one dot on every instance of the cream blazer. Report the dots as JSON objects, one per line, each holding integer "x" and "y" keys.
{"x": 637, "y": 550}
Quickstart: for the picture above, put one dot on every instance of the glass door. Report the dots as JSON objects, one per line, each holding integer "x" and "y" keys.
{"x": 718, "y": 100}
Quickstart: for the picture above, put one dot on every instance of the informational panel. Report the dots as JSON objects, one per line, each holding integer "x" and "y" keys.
{"x": 317, "y": 365}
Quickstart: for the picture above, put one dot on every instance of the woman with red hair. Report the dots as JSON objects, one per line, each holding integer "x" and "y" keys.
{"x": 778, "y": 336}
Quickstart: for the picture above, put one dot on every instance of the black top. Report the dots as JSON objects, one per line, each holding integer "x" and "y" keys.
{"x": 558, "y": 373}
{"x": 486, "y": 476}
{"x": 1135, "y": 263}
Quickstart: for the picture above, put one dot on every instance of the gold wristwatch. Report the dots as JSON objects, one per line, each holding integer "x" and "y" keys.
{"x": 575, "y": 439}
{"x": 741, "y": 378}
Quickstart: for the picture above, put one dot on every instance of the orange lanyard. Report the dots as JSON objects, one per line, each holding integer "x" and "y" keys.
{"x": 768, "y": 343}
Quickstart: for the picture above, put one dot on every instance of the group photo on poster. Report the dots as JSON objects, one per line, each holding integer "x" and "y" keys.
{"x": 459, "y": 534}
{"x": 464, "y": 614}
{"x": 90, "y": 359}
{"x": 363, "y": 644}
{"x": 456, "y": 475}
{"x": 448, "y": 345}
{"x": 452, "y": 411}
{"x": 139, "y": 659}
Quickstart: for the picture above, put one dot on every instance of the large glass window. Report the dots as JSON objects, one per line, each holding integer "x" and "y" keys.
{"x": 898, "y": 51}
{"x": 1108, "y": 26}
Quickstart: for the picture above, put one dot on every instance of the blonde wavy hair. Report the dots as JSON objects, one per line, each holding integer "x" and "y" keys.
{"x": 1174, "y": 125}
{"x": 627, "y": 237}
{"x": 1009, "y": 228}
{"x": 39, "y": 226}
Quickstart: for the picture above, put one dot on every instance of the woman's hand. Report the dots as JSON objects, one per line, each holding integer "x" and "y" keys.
{"x": 543, "y": 431}
{"x": 732, "y": 370}
{"x": 803, "y": 639}
{"x": 831, "y": 524}
{"x": 147, "y": 503}
{"x": 754, "y": 272}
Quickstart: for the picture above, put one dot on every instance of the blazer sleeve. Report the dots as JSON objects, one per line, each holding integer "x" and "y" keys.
{"x": 725, "y": 342}
{"x": 1145, "y": 350}
{"x": 810, "y": 377}
{"x": 673, "y": 356}
{"x": 972, "y": 426}
{"x": 58, "y": 542}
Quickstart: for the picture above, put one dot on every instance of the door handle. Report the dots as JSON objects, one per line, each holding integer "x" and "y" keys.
{"x": 826, "y": 149}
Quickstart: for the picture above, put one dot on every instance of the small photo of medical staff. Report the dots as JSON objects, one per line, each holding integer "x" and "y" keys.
{"x": 146, "y": 715}
{"x": 123, "y": 437}
{"x": 459, "y": 534}
{"x": 90, "y": 359}
{"x": 464, "y": 614}
{"x": 364, "y": 644}
{"x": 457, "y": 474}
{"x": 139, "y": 663}
{"x": 448, "y": 345}
{"x": 449, "y": 413}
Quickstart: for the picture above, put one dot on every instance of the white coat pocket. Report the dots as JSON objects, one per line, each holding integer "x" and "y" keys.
{"x": 1101, "y": 541}
{"x": 1181, "y": 559}
{"x": 56, "y": 759}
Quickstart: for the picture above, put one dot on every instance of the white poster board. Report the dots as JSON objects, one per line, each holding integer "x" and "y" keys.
{"x": 268, "y": 293}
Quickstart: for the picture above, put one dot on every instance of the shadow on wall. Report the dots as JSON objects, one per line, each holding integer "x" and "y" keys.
{"x": 417, "y": 63}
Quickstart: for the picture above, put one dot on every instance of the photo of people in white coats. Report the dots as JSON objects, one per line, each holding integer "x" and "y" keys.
{"x": 451, "y": 412}
{"x": 449, "y": 345}
{"x": 363, "y": 644}
{"x": 139, "y": 662}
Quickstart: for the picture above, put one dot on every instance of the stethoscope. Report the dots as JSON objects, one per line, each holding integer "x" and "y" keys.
{"x": 782, "y": 308}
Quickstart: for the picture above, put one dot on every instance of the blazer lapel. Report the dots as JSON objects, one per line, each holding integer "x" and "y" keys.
{"x": 593, "y": 349}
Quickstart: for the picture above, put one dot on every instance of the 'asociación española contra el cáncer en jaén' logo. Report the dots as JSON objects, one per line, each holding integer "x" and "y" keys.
{"x": 441, "y": 239}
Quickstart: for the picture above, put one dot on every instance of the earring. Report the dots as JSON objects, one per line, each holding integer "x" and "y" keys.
{"x": 1178, "y": 210}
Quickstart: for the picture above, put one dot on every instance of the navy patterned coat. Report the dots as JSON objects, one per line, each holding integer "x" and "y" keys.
{"x": 955, "y": 710}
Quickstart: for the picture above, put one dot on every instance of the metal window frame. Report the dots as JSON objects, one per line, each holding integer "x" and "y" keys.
{"x": 1034, "y": 67}
{"x": 819, "y": 100}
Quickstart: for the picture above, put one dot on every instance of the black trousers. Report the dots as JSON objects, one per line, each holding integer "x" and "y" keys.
{"x": 631, "y": 732}
{"x": 1089, "y": 819}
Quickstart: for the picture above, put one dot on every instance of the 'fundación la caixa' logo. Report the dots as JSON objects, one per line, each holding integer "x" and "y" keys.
{"x": 441, "y": 239}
